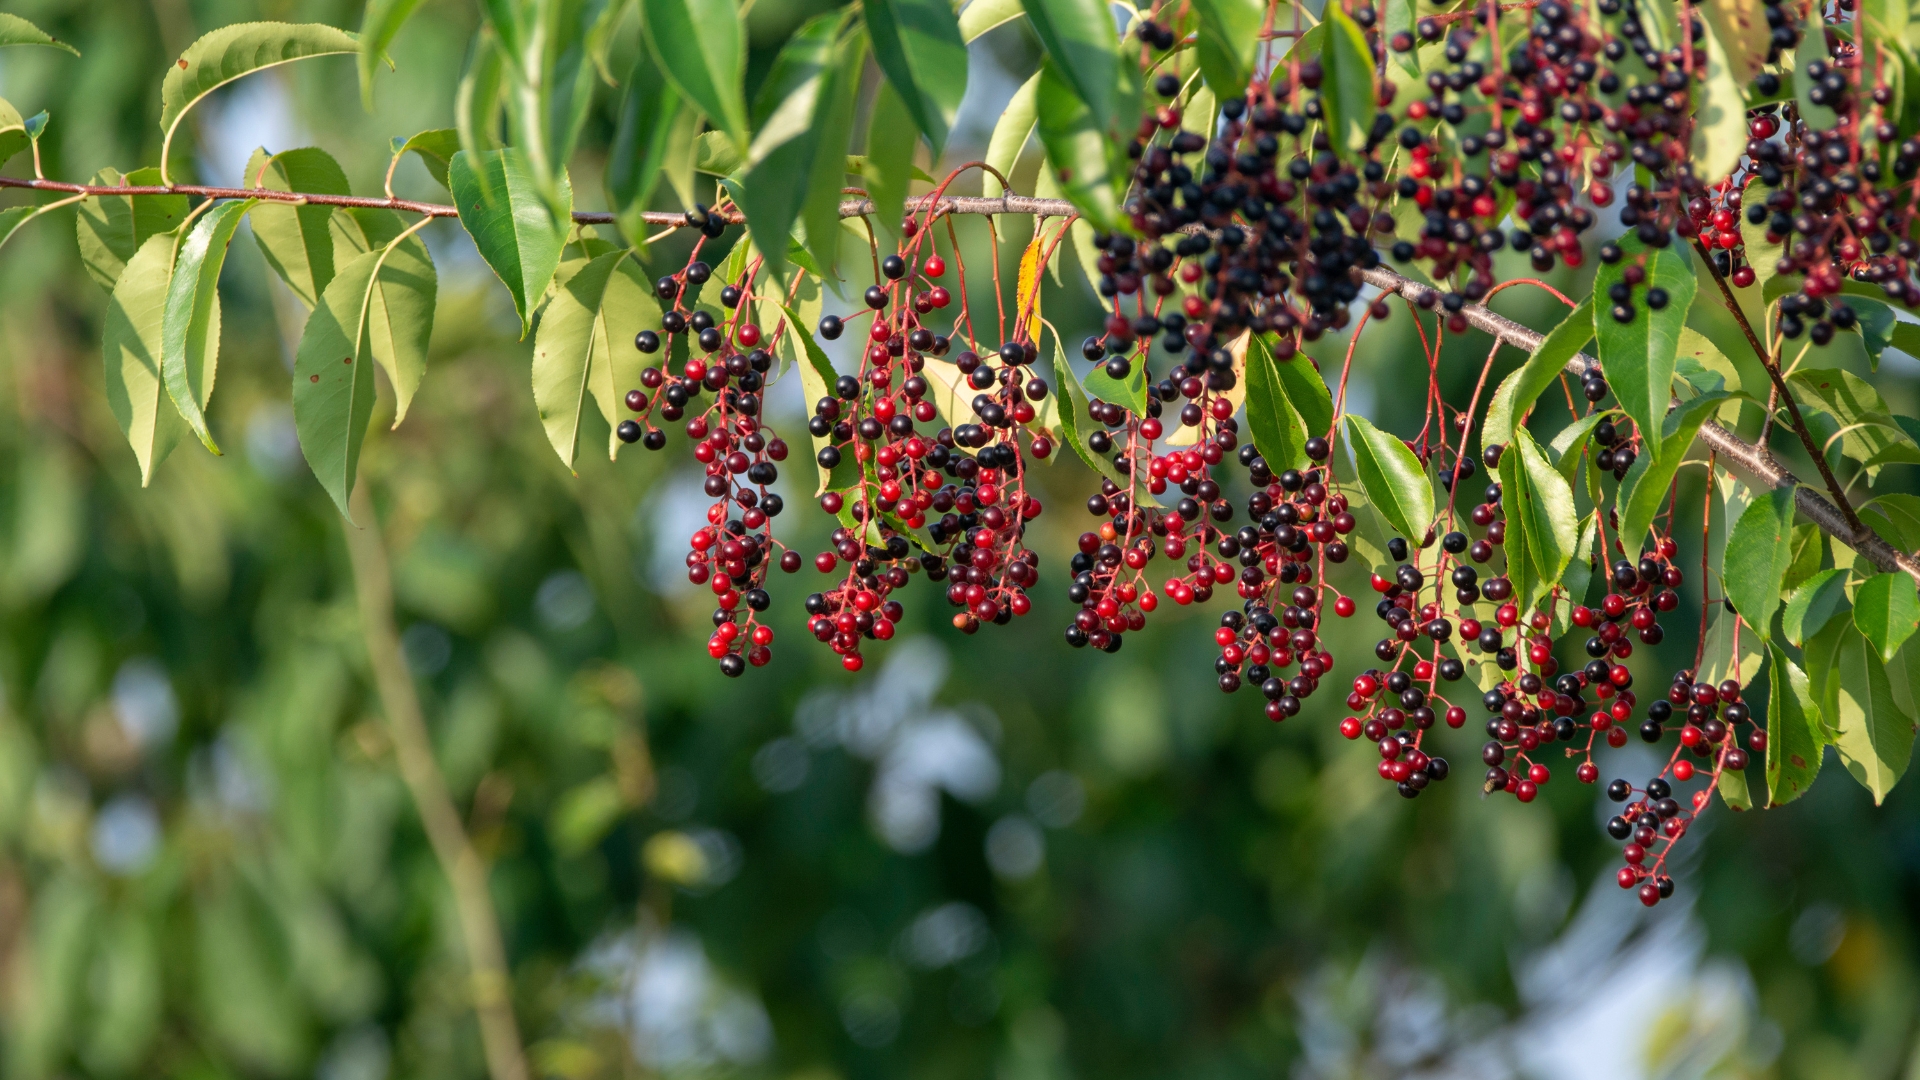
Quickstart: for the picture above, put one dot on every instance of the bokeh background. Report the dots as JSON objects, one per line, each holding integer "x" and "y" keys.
{"x": 982, "y": 856}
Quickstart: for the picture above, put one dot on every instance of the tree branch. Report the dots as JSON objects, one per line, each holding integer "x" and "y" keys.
{"x": 413, "y": 750}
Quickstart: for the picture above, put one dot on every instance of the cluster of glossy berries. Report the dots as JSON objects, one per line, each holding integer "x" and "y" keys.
{"x": 1638, "y": 595}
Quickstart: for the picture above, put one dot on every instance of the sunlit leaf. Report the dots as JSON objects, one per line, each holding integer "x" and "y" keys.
{"x": 1887, "y": 610}
{"x": 190, "y": 325}
{"x": 1392, "y": 477}
{"x": 297, "y": 240}
{"x": 701, "y": 47}
{"x": 516, "y": 232}
{"x": 111, "y": 228}
{"x": 918, "y": 44}
{"x": 1638, "y": 356}
{"x": 230, "y": 52}
{"x": 131, "y": 344}
{"x": 1795, "y": 739}
{"x": 1759, "y": 551}
{"x": 1518, "y": 391}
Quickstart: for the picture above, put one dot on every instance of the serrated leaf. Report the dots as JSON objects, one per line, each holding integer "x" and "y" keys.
{"x": 1887, "y": 610}
{"x": 1392, "y": 477}
{"x": 400, "y": 318}
{"x": 434, "y": 148}
{"x": 1795, "y": 740}
{"x": 1079, "y": 151}
{"x": 1010, "y": 132}
{"x": 649, "y": 105}
{"x": 297, "y": 240}
{"x": 1720, "y": 116}
{"x": 918, "y": 45}
{"x": 111, "y": 228}
{"x": 1759, "y": 551}
{"x": 1874, "y": 738}
{"x": 1808, "y": 546}
{"x": 1084, "y": 53}
{"x": 981, "y": 16}
{"x": 1571, "y": 443}
{"x": 1812, "y": 605}
{"x": 1347, "y": 93}
{"x": 333, "y": 379}
{"x": 15, "y": 30}
{"x": 1644, "y": 490}
{"x": 573, "y": 355}
{"x": 1229, "y": 43}
{"x": 1867, "y": 431}
{"x": 516, "y": 231}
{"x": 379, "y": 25}
{"x": 1638, "y": 357}
{"x": 1278, "y": 432}
{"x": 701, "y": 47}
{"x": 1129, "y": 393}
{"x": 1542, "y": 528}
{"x": 230, "y": 52}
{"x": 190, "y": 323}
{"x": 131, "y": 348}
{"x": 1518, "y": 391}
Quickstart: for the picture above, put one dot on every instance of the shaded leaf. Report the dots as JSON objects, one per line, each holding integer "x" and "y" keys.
{"x": 981, "y": 16}
{"x": 1644, "y": 491}
{"x": 435, "y": 149}
{"x": 1392, "y": 477}
{"x": 136, "y": 388}
{"x": 1887, "y": 610}
{"x": 297, "y": 241}
{"x": 111, "y": 228}
{"x": 1759, "y": 551}
{"x": 190, "y": 325}
{"x": 1076, "y": 421}
{"x": 516, "y": 232}
{"x": 1278, "y": 432}
{"x": 1519, "y": 390}
{"x": 1010, "y": 132}
{"x": 1084, "y": 50}
{"x": 1795, "y": 740}
{"x": 1079, "y": 151}
{"x": 1229, "y": 43}
{"x": 582, "y": 337}
{"x": 701, "y": 47}
{"x": 1812, "y": 604}
{"x": 889, "y": 158}
{"x": 1874, "y": 737}
{"x": 1347, "y": 92}
{"x": 333, "y": 387}
{"x": 379, "y": 25}
{"x": 1638, "y": 357}
{"x": 400, "y": 318}
{"x": 1542, "y": 528}
{"x": 917, "y": 43}
{"x": 649, "y": 105}
{"x": 1720, "y": 116}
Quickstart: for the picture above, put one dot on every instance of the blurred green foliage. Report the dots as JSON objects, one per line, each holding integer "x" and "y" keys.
{"x": 986, "y": 856}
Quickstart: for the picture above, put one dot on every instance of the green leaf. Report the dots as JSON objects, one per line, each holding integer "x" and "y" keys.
{"x": 550, "y": 74}
{"x": 136, "y": 389}
{"x": 1278, "y": 431}
{"x": 13, "y": 132}
{"x": 228, "y": 53}
{"x": 806, "y": 92}
{"x": 1887, "y": 610}
{"x": 1876, "y": 323}
{"x": 12, "y": 218}
{"x": 400, "y": 318}
{"x": 379, "y": 25}
{"x": 1571, "y": 442}
{"x": 917, "y": 43}
{"x": 833, "y": 137}
{"x": 1542, "y": 528}
{"x": 1808, "y": 546}
{"x": 1011, "y": 131}
{"x": 1868, "y": 432}
{"x": 1812, "y": 604}
{"x": 111, "y": 228}
{"x": 1347, "y": 92}
{"x": 1895, "y": 516}
{"x": 190, "y": 324}
{"x": 333, "y": 378}
{"x": 435, "y": 149}
{"x": 1518, "y": 391}
{"x": 1812, "y": 49}
{"x": 1638, "y": 357}
{"x": 1129, "y": 393}
{"x": 1308, "y": 392}
{"x": 889, "y": 164}
{"x": 297, "y": 241}
{"x": 1392, "y": 478}
{"x": 1078, "y": 149}
{"x": 1759, "y": 551}
{"x": 583, "y": 336}
{"x": 1795, "y": 739}
{"x": 517, "y": 233}
{"x": 701, "y": 46}
{"x": 1084, "y": 53}
{"x": 1644, "y": 490}
{"x": 648, "y": 107}
{"x": 479, "y": 99}
{"x": 1874, "y": 737}
{"x": 1076, "y": 421}
{"x": 1720, "y": 116}
{"x": 981, "y": 16}
{"x": 1229, "y": 43}
{"x": 15, "y": 30}
{"x": 1577, "y": 578}
{"x": 1741, "y": 28}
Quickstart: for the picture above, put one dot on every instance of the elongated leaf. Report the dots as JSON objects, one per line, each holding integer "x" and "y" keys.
{"x": 1644, "y": 490}
{"x": 981, "y": 16}
{"x": 1229, "y": 43}
{"x": 435, "y": 149}
{"x": 1078, "y": 149}
{"x": 827, "y": 175}
{"x": 13, "y": 132}
{"x": 232, "y": 51}
{"x": 1518, "y": 391}
{"x": 1278, "y": 432}
{"x": 1129, "y": 393}
{"x": 1887, "y": 610}
{"x": 478, "y": 100}
{"x": 15, "y": 30}
{"x": 378, "y": 27}
{"x": 1011, "y": 132}
{"x": 136, "y": 389}
{"x": 550, "y": 82}
{"x": 297, "y": 241}
{"x": 333, "y": 379}
{"x": 917, "y": 43}
{"x": 190, "y": 325}
{"x": 1392, "y": 478}
{"x": 889, "y": 166}
{"x": 1812, "y": 49}
{"x": 801, "y": 89}
{"x": 111, "y": 228}
{"x": 1084, "y": 50}
{"x": 1542, "y": 529}
{"x": 1720, "y": 120}
{"x": 1812, "y": 604}
{"x": 1868, "y": 432}
{"x": 816, "y": 380}
{"x": 400, "y": 318}
{"x": 701, "y": 46}
{"x": 1759, "y": 551}
{"x": 1638, "y": 357}
{"x": 648, "y": 107}
{"x": 1076, "y": 421}
{"x": 1308, "y": 392}
{"x": 1795, "y": 739}
{"x": 1874, "y": 737}
{"x": 517, "y": 233}
{"x": 1348, "y": 93}
{"x": 1571, "y": 442}
{"x": 582, "y": 340}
